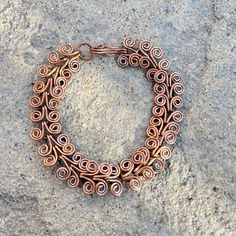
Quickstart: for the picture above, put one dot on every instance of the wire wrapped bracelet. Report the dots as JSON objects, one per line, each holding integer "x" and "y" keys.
{"x": 57, "y": 150}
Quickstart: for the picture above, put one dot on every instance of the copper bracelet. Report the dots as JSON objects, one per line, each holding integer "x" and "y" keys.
{"x": 147, "y": 161}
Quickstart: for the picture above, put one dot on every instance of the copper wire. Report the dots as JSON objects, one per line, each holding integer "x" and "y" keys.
{"x": 145, "y": 162}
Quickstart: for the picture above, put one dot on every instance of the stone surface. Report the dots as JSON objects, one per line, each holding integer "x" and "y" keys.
{"x": 106, "y": 110}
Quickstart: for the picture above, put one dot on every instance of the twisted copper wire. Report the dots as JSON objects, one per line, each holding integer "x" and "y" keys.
{"x": 145, "y": 162}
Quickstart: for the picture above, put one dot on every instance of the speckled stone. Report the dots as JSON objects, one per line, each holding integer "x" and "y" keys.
{"x": 106, "y": 111}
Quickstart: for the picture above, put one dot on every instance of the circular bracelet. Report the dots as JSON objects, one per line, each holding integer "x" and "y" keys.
{"x": 144, "y": 163}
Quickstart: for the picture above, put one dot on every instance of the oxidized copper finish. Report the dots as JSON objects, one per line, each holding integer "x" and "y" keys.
{"x": 147, "y": 161}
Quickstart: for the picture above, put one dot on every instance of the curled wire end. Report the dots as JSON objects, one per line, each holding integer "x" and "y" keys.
{"x": 135, "y": 183}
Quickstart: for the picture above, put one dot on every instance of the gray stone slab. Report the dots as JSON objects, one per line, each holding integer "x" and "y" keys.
{"x": 106, "y": 111}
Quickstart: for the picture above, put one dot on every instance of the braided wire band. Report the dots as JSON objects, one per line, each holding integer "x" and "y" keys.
{"x": 144, "y": 163}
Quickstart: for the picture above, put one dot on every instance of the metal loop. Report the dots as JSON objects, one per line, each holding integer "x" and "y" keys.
{"x": 82, "y": 56}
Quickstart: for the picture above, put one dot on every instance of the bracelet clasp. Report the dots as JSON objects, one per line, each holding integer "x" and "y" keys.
{"x": 106, "y": 50}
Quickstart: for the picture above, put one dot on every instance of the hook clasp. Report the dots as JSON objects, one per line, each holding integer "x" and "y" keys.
{"x": 106, "y": 50}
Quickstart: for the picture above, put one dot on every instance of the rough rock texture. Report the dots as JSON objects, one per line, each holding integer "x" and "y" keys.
{"x": 106, "y": 111}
